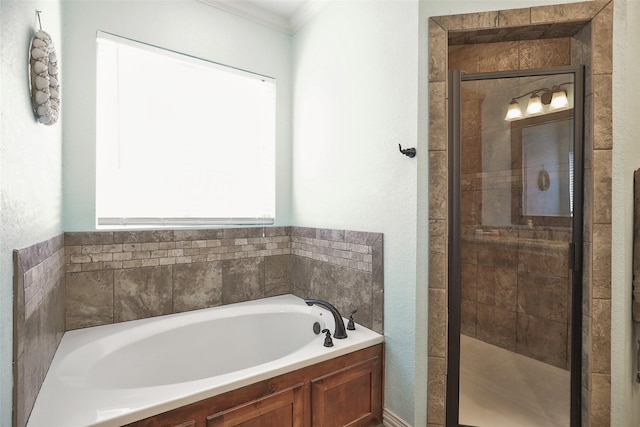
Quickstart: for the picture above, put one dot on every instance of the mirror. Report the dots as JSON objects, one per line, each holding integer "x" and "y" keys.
{"x": 542, "y": 161}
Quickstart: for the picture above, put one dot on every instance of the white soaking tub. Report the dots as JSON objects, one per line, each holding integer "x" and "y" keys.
{"x": 116, "y": 374}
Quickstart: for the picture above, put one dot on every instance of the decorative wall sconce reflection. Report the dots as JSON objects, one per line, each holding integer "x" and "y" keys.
{"x": 541, "y": 101}
{"x": 544, "y": 181}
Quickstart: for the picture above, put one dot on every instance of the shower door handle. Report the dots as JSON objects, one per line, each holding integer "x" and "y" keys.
{"x": 575, "y": 256}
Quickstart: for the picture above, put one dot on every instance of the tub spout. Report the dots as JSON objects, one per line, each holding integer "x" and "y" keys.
{"x": 340, "y": 332}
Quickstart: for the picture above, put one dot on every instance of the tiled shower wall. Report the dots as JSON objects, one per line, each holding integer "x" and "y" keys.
{"x": 516, "y": 284}
{"x": 119, "y": 276}
{"x": 38, "y": 314}
{"x": 516, "y": 293}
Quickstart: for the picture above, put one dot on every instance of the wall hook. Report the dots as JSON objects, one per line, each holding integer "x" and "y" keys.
{"x": 38, "y": 12}
{"x": 409, "y": 152}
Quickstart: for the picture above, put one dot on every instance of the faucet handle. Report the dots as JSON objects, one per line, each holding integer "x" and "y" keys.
{"x": 327, "y": 339}
{"x": 351, "y": 325}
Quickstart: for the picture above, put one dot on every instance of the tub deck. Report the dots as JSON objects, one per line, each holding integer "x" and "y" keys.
{"x": 117, "y": 374}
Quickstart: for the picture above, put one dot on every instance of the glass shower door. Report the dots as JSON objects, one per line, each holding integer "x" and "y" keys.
{"x": 513, "y": 249}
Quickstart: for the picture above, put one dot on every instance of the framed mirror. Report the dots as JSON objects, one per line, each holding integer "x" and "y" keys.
{"x": 542, "y": 159}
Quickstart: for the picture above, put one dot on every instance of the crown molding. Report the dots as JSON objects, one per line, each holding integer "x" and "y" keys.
{"x": 305, "y": 13}
{"x": 269, "y": 19}
{"x": 252, "y": 13}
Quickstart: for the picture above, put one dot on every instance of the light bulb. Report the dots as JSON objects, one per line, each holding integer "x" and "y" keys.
{"x": 535, "y": 105}
{"x": 513, "y": 112}
{"x": 559, "y": 100}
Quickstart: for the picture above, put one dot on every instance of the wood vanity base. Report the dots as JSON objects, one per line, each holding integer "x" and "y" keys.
{"x": 345, "y": 391}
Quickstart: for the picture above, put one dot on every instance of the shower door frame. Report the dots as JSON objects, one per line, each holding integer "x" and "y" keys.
{"x": 454, "y": 298}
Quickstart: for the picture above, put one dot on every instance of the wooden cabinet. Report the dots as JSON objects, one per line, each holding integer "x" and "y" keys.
{"x": 345, "y": 391}
{"x": 284, "y": 408}
{"x": 348, "y": 397}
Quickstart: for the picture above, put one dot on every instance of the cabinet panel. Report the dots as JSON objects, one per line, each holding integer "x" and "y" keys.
{"x": 350, "y": 397}
{"x": 282, "y": 409}
{"x": 349, "y": 387}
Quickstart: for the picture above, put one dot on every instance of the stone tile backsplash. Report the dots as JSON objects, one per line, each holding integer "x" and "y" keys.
{"x": 119, "y": 276}
{"x": 343, "y": 267}
{"x": 128, "y": 251}
{"x": 39, "y": 321}
{"x": 353, "y": 255}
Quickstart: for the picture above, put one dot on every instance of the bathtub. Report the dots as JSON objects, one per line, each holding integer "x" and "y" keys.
{"x": 116, "y": 374}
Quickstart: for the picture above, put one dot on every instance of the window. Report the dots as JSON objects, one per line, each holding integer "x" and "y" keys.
{"x": 181, "y": 140}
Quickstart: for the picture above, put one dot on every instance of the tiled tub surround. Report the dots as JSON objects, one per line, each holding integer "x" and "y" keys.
{"x": 344, "y": 267}
{"x": 125, "y": 275}
{"x": 118, "y": 276}
{"x": 38, "y": 319}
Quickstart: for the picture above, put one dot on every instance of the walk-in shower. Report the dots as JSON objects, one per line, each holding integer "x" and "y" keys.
{"x": 515, "y": 239}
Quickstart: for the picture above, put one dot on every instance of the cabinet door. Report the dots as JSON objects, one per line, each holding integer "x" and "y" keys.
{"x": 282, "y": 409}
{"x": 350, "y": 397}
{"x": 174, "y": 418}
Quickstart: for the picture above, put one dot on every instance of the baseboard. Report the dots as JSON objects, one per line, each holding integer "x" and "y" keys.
{"x": 389, "y": 419}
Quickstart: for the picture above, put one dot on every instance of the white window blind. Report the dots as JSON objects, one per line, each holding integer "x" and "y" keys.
{"x": 181, "y": 140}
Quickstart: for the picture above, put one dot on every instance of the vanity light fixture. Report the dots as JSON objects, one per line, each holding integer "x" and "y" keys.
{"x": 534, "y": 107}
{"x": 541, "y": 101}
{"x": 513, "y": 112}
{"x": 559, "y": 100}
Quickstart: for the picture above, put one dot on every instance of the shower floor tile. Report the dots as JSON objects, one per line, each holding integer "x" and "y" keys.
{"x": 499, "y": 388}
